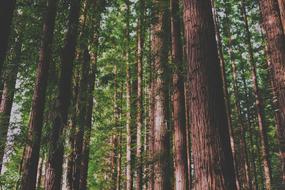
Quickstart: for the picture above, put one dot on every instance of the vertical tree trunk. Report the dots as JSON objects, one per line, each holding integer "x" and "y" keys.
{"x": 81, "y": 118}
{"x": 282, "y": 13}
{"x": 150, "y": 131}
{"x": 7, "y": 99}
{"x": 6, "y": 14}
{"x": 258, "y": 103}
{"x": 139, "y": 103}
{"x": 212, "y": 155}
{"x": 188, "y": 136}
{"x": 32, "y": 150}
{"x": 225, "y": 89}
{"x": 160, "y": 32}
{"x": 128, "y": 94}
{"x": 86, "y": 144}
{"x": 276, "y": 51}
{"x": 40, "y": 172}
{"x": 56, "y": 149}
{"x": 179, "y": 120}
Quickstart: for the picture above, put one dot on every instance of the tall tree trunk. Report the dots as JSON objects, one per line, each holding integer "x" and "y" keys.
{"x": 282, "y": 13}
{"x": 212, "y": 155}
{"x": 258, "y": 103}
{"x": 128, "y": 94}
{"x": 87, "y": 136}
{"x": 56, "y": 149}
{"x": 188, "y": 135}
{"x": 139, "y": 103}
{"x": 225, "y": 89}
{"x": 276, "y": 51}
{"x": 72, "y": 126}
{"x": 6, "y": 14}
{"x": 245, "y": 168}
{"x": 81, "y": 118}
{"x": 160, "y": 32}
{"x": 32, "y": 150}
{"x": 179, "y": 120}
{"x": 150, "y": 131}
{"x": 7, "y": 99}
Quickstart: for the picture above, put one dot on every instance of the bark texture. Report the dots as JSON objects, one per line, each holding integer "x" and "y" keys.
{"x": 276, "y": 51}
{"x": 32, "y": 150}
{"x": 160, "y": 48}
{"x": 212, "y": 155}
{"x": 56, "y": 148}
{"x": 179, "y": 120}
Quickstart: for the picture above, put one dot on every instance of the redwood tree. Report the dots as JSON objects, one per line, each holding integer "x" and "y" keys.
{"x": 56, "y": 148}
{"x": 274, "y": 33}
{"x": 212, "y": 155}
{"x": 32, "y": 150}
{"x": 8, "y": 97}
{"x": 160, "y": 48}
{"x": 179, "y": 120}
{"x": 6, "y": 14}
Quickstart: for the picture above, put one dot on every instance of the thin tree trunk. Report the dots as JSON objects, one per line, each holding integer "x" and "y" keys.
{"x": 258, "y": 104}
{"x": 56, "y": 149}
{"x": 139, "y": 102}
{"x": 129, "y": 171}
{"x": 7, "y": 99}
{"x": 179, "y": 120}
{"x": 32, "y": 150}
{"x": 245, "y": 174}
{"x": 212, "y": 154}
{"x": 150, "y": 131}
{"x": 6, "y": 14}
{"x": 188, "y": 136}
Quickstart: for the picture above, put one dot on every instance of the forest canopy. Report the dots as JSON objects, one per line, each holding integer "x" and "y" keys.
{"x": 142, "y": 95}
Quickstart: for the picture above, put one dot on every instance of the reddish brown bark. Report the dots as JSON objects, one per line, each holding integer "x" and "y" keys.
{"x": 159, "y": 42}
{"x": 32, "y": 150}
{"x": 179, "y": 121}
{"x": 6, "y": 14}
{"x": 272, "y": 24}
{"x": 212, "y": 155}
{"x": 56, "y": 149}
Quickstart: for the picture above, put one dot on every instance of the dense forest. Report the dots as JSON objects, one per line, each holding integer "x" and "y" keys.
{"x": 142, "y": 94}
